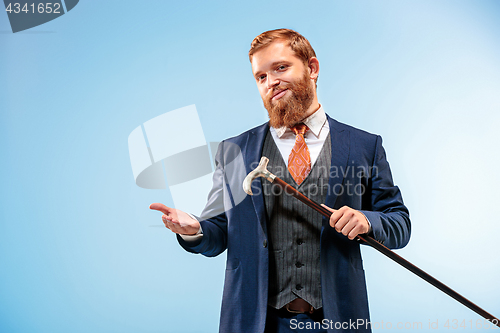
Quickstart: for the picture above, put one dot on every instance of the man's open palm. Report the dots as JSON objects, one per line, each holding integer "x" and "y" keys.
{"x": 176, "y": 220}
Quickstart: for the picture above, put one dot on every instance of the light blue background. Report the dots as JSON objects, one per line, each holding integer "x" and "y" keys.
{"x": 81, "y": 252}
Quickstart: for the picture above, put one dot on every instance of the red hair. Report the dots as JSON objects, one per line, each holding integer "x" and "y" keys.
{"x": 299, "y": 44}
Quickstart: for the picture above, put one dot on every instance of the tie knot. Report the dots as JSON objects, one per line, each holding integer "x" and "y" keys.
{"x": 299, "y": 129}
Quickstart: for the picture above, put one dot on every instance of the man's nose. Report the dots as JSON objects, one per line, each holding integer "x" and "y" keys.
{"x": 272, "y": 81}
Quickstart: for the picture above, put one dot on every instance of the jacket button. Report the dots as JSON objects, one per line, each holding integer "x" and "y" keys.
{"x": 298, "y": 287}
{"x": 264, "y": 243}
{"x": 298, "y": 264}
{"x": 300, "y": 241}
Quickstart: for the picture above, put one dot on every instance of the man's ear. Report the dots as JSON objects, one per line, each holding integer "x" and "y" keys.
{"x": 313, "y": 66}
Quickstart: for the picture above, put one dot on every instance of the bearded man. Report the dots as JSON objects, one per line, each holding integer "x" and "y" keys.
{"x": 288, "y": 268}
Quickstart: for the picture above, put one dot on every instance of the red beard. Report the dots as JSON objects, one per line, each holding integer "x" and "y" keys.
{"x": 290, "y": 110}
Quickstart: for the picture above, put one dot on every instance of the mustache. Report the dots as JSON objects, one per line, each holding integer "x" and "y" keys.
{"x": 277, "y": 90}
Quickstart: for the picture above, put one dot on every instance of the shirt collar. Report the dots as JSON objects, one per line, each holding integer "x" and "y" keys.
{"x": 314, "y": 122}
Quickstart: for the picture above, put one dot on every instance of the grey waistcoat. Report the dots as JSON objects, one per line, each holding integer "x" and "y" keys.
{"x": 294, "y": 230}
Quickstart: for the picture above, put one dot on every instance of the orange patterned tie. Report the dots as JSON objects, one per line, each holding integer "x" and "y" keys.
{"x": 299, "y": 161}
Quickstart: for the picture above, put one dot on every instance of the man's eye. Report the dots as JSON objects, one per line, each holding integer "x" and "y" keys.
{"x": 261, "y": 77}
{"x": 282, "y": 67}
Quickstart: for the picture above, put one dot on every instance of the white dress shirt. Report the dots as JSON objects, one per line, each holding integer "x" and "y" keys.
{"x": 315, "y": 137}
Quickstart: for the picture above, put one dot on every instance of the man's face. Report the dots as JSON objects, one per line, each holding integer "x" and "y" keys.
{"x": 284, "y": 84}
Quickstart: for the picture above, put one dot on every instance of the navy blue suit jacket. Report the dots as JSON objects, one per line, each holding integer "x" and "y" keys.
{"x": 360, "y": 178}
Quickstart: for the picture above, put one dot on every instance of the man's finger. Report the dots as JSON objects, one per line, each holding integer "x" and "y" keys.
{"x": 344, "y": 224}
{"x": 348, "y": 227}
{"x": 165, "y": 221}
{"x": 335, "y": 217}
{"x": 175, "y": 227}
{"x": 354, "y": 232}
{"x": 160, "y": 207}
{"x": 330, "y": 209}
{"x": 170, "y": 224}
{"x": 166, "y": 218}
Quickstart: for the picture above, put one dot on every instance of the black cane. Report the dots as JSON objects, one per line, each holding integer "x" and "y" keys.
{"x": 261, "y": 171}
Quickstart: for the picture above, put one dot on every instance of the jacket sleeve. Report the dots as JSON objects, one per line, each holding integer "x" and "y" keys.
{"x": 213, "y": 219}
{"x": 389, "y": 217}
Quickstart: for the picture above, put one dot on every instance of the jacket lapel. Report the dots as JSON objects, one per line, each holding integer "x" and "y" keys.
{"x": 253, "y": 152}
{"x": 340, "y": 156}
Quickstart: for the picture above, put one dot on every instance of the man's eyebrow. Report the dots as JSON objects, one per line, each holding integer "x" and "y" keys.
{"x": 257, "y": 74}
{"x": 276, "y": 63}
